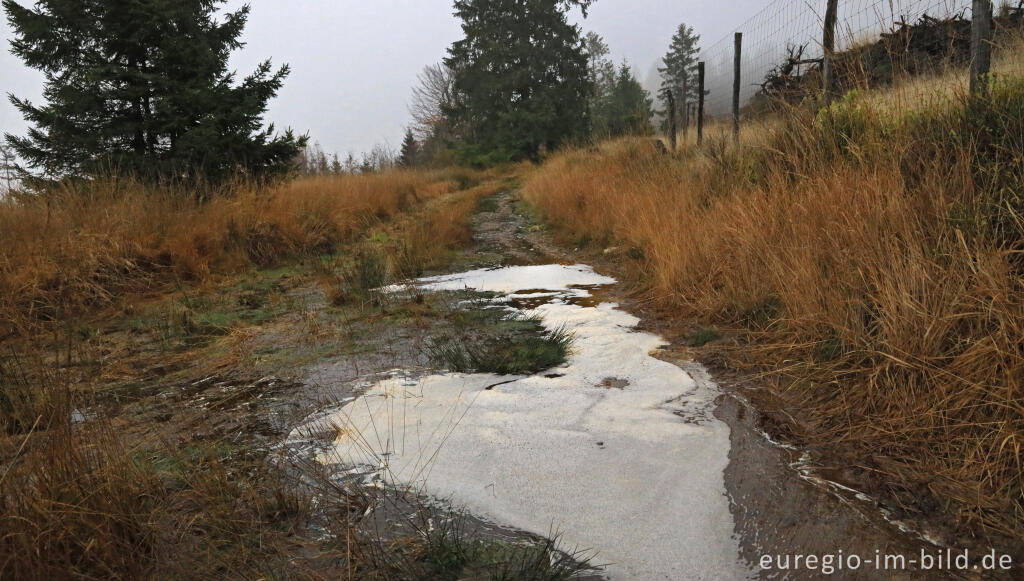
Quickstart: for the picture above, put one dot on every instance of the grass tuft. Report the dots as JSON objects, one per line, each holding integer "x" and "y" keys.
{"x": 518, "y": 345}
{"x": 450, "y": 552}
{"x": 704, "y": 336}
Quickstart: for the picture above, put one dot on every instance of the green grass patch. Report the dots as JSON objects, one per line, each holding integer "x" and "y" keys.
{"x": 489, "y": 341}
{"x": 451, "y": 553}
{"x": 704, "y": 336}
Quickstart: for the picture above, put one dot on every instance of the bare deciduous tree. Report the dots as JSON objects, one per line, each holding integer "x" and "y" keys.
{"x": 429, "y": 99}
{"x": 380, "y": 158}
{"x": 312, "y": 160}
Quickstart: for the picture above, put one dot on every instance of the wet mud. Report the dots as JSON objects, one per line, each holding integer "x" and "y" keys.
{"x": 780, "y": 500}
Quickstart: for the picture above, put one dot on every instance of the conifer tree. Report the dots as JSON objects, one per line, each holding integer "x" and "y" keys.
{"x": 631, "y": 105}
{"x": 520, "y": 78}
{"x": 143, "y": 86}
{"x": 600, "y": 68}
{"x": 619, "y": 105}
{"x": 679, "y": 73}
{"x": 6, "y": 168}
{"x": 410, "y": 150}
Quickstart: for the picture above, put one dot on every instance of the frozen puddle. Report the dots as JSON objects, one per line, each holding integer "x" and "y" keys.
{"x": 616, "y": 450}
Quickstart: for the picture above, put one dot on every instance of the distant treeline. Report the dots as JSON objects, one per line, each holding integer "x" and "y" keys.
{"x": 147, "y": 91}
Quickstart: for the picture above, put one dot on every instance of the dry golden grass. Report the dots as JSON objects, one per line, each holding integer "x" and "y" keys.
{"x": 77, "y": 248}
{"x": 112, "y": 500}
{"x": 872, "y": 260}
{"x": 405, "y": 247}
{"x": 97, "y": 500}
{"x": 427, "y": 239}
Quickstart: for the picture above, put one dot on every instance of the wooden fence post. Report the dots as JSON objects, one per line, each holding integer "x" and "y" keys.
{"x": 737, "y": 65}
{"x": 700, "y": 103}
{"x": 671, "y": 119}
{"x": 981, "y": 46}
{"x": 828, "y": 45}
{"x": 686, "y": 107}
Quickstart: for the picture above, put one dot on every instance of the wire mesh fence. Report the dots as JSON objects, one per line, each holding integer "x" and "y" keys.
{"x": 789, "y": 33}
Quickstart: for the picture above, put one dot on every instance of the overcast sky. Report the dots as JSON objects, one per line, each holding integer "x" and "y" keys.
{"x": 355, "y": 61}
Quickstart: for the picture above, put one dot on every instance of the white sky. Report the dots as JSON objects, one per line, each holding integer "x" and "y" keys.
{"x": 355, "y": 61}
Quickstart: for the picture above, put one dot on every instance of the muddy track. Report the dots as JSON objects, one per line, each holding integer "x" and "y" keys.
{"x": 781, "y": 504}
{"x": 500, "y": 228}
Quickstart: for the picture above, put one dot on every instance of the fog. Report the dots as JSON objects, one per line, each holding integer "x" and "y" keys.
{"x": 354, "y": 63}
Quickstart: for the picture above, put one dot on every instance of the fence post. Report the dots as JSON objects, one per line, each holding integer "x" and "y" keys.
{"x": 736, "y": 88}
{"x": 686, "y": 107}
{"x": 981, "y": 46}
{"x": 671, "y": 119}
{"x": 700, "y": 103}
{"x": 828, "y": 45}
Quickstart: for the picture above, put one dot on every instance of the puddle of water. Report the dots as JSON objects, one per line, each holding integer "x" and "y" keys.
{"x": 596, "y": 450}
{"x": 564, "y": 281}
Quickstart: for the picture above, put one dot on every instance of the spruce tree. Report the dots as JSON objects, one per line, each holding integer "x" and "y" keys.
{"x": 142, "y": 87}
{"x": 410, "y": 150}
{"x": 619, "y": 105}
{"x": 520, "y": 78}
{"x": 631, "y": 105}
{"x": 679, "y": 73}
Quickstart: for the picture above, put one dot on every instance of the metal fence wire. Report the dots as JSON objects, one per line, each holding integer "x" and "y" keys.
{"x": 793, "y": 28}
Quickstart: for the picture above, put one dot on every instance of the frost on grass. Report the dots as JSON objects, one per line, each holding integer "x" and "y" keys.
{"x": 635, "y": 474}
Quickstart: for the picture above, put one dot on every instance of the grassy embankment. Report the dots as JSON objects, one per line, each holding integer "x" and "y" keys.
{"x": 869, "y": 260}
{"x": 116, "y": 283}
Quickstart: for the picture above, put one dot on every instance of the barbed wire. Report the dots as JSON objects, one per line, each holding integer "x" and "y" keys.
{"x": 787, "y": 28}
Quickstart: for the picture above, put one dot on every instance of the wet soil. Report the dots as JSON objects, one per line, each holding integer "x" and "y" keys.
{"x": 309, "y": 356}
{"x": 227, "y": 370}
{"x": 783, "y": 502}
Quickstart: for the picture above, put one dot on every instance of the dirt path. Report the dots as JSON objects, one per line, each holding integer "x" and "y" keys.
{"x": 195, "y": 376}
{"x": 502, "y": 229}
{"x": 777, "y": 503}
{"x": 780, "y": 504}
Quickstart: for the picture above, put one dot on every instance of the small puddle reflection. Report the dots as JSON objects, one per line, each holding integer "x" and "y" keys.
{"x": 586, "y": 295}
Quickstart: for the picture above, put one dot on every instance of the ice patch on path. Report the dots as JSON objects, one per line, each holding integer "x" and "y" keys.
{"x": 616, "y": 471}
